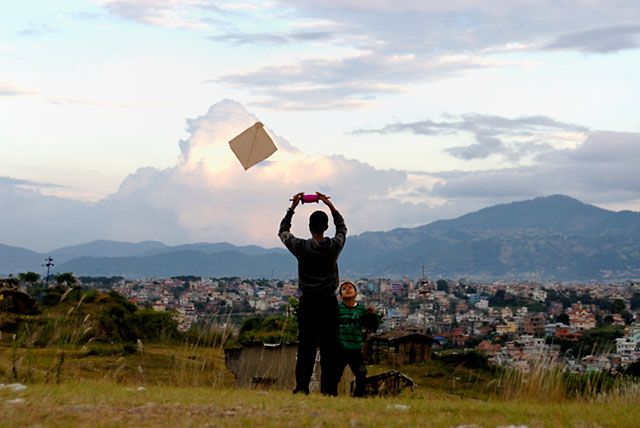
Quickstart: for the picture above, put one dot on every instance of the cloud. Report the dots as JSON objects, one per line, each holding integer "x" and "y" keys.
{"x": 398, "y": 44}
{"x": 182, "y": 14}
{"x": 10, "y": 90}
{"x": 207, "y": 195}
{"x": 20, "y": 182}
{"x": 7, "y": 90}
{"x": 601, "y": 170}
{"x": 406, "y": 43}
{"x": 464, "y": 26}
{"x": 346, "y": 82}
{"x": 37, "y": 30}
{"x": 273, "y": 38}
{"x": 513, "y": 139}
{"x": 611, "y": 38}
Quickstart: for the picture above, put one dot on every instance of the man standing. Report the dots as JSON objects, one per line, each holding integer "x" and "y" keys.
{"x": 317, "y": 280}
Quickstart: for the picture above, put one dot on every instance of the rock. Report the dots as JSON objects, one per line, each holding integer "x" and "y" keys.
{"x": 15, "y": 387}
{"x": 402, "y": 407}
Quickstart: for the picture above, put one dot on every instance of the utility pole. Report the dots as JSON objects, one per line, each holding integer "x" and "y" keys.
{"x": 49, "y": 264}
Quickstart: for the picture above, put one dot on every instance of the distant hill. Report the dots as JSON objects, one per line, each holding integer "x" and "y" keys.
{"x": 105, "y": 248}
{"x": 116, "y": 258}
{"x": 15, "y": 260}
{"x": 554, "y": 237}
{"x": 208, "y": 248}
{"x": 186, "y": 262}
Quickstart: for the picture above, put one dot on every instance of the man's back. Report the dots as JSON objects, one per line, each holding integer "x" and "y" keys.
{"x": 317, "y": 260}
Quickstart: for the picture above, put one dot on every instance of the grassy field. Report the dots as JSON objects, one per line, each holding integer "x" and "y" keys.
{"x": 114, "y": 385}
{"x": 106, "y": 403}
{"x": 155, "y": 365}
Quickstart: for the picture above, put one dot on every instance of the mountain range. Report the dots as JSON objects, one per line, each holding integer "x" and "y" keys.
{"x": 548, "y": 238}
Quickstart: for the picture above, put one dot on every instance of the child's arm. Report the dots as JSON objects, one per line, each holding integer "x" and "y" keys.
{"x": 371, "y": 319}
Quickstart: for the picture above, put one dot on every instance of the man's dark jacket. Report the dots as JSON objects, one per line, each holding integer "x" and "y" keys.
{"x": 317, "y": 260}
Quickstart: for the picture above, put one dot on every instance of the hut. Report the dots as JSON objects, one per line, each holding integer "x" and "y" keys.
{"x": 263, "y": 366}
{"x": 397, "y": 347}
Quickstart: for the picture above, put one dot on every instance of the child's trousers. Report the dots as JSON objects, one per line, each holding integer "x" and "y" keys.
{"x": 355, "y": 361}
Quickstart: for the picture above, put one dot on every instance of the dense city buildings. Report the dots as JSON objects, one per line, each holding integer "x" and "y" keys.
{"x": 517, "y": 324}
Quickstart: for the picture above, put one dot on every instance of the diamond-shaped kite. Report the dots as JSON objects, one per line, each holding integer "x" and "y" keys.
{"x": 253, "y": 145}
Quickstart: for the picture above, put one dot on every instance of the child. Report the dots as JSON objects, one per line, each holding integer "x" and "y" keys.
{"x": 354, "y": 320}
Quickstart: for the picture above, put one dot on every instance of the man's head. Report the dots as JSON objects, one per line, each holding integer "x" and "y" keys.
{"x": 318, "y": 222}
{"x": 348, "y": 290}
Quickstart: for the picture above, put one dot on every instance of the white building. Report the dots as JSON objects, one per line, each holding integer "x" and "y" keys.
{"x": 625, "y": 345}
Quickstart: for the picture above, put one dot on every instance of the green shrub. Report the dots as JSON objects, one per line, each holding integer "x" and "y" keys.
{"x": 470, "y": 359}
{"x": 151, "y": 325}
{"x": 271, "y": 329}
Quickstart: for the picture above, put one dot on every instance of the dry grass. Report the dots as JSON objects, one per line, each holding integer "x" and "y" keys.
{"x": 188, "y": 385}
{"x": 104, "y": 403}
{"x": 178, "y": 365}
{"x": 546, "y": 384}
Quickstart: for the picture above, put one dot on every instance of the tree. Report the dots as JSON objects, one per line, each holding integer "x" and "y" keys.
{"x": 617, "y": 306}
{"x": 270, "y": 329}
{"x": 29, "y": 277}
{"x": 635, "y": 301}
{"x": 66, "y": 278}
{"x": 442, "y": 285}
{"x": 627, "y": 316}
{"x": 563, "y": 318}
{"x": 150, "y": 325}
{"x": 633, "y": 369}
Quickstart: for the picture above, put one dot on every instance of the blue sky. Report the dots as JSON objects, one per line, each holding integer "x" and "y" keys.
{"x": 442, "y": 107}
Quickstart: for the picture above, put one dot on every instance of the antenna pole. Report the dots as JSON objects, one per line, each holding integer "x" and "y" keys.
{"x": 49, "y": 264}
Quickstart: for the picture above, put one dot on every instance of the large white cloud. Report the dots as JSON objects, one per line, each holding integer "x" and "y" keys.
{"x": 207, "y": 195}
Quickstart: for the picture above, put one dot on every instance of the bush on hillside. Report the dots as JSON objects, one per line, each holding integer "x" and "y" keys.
{"x": 271, "y": 329}
{"x": 470, "y": 359}
{"x": 153, "y": 326}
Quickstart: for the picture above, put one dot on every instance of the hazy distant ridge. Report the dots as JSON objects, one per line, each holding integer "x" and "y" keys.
{"x": 554, "y": 237}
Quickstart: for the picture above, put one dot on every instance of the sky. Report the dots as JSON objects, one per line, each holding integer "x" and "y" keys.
{"x": 115, "y": 116}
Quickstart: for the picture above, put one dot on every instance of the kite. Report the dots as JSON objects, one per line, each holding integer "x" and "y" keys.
{"x": 253, "y": 145}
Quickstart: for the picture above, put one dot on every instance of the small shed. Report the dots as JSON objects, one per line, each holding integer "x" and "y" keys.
{"x": 400, "y": 347}
{"x": 263, "y": 366}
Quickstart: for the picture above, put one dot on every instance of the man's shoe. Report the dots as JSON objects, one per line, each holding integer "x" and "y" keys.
{"x": 301, "y": 391}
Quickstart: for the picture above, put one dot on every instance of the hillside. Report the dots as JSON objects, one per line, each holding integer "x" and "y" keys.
{"x": 555, "y": 237}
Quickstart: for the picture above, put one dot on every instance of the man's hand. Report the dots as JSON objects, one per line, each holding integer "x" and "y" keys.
{"x": 324, "y": 198}
{"x": 295, "y": 200}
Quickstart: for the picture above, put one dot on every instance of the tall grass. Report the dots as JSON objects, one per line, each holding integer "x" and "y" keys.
{"x": 551, "y": 383}
{"x": 62, "y": 344}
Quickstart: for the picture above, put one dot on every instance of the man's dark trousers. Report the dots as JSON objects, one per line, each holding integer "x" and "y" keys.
{"x": 317, "y": 326}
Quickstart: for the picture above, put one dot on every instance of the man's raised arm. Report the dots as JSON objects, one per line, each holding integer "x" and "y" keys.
{"x": 338, "y": 220}
{"x": 284, "y": 233}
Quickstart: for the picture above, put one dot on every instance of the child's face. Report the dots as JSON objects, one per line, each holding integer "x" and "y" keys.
{"x": 347, "y": 291}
